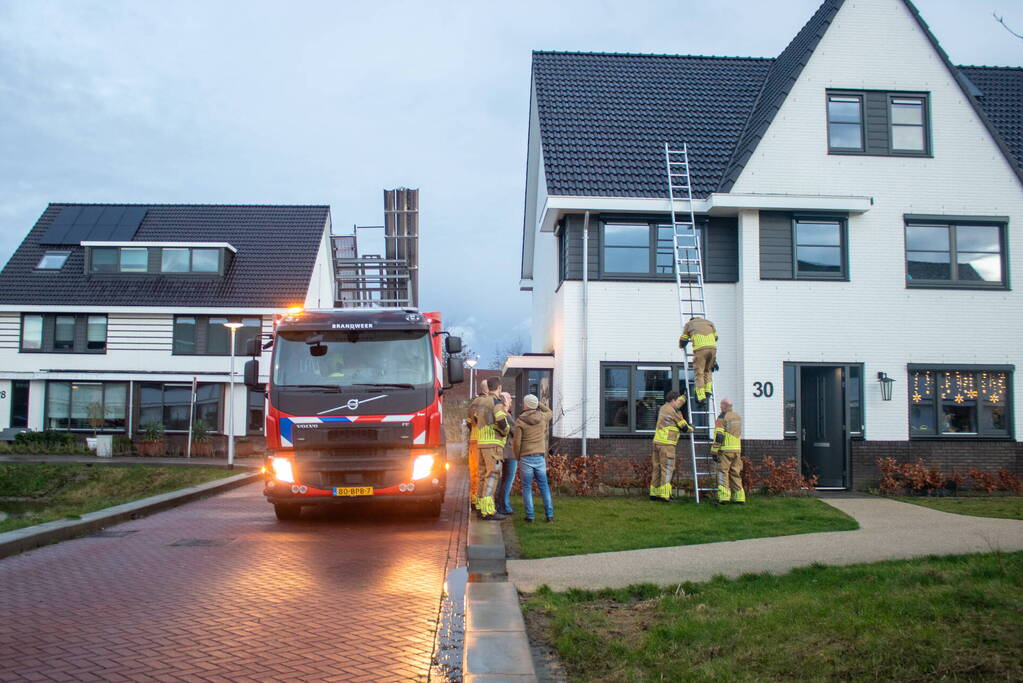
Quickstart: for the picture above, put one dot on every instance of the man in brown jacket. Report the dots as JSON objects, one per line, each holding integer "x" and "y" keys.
{"x": 704, "y": 336}
{"x": 494, "y": 428}
{"x": 671, "y": 424}
{"x": 727, "y": 451}
{"x": 529, "y": 442}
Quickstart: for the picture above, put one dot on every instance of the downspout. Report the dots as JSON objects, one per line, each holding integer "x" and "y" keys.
{"x": 586, "y": 322}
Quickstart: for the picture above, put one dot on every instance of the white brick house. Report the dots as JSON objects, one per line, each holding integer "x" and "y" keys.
{"x": 861, "y": 197}
{"x": 108, "y": 312}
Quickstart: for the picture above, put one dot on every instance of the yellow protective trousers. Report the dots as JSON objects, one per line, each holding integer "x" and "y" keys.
{"x": 703, "y": 364}
{"x": 663, "y": 461}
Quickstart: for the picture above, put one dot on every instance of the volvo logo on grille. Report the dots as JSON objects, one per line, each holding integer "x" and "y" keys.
{"x": 352, "y": 404}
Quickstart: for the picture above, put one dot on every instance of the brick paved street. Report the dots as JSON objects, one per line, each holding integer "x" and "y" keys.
{"x": 349, "y": 595}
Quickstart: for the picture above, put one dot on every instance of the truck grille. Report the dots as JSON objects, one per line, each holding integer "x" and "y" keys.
{"x": 352, "y": 435}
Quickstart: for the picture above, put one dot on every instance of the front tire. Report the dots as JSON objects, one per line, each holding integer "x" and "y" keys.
{"x": 287, "y": 512}
{"x": 431, "y": 508}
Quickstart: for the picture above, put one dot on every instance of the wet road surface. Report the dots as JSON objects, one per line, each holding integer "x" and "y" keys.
{"x": 219, "y": 589}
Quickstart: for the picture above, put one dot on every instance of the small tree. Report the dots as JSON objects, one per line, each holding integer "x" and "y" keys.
{"x": 96, "y": 417}
{"x": 152, "y": 437}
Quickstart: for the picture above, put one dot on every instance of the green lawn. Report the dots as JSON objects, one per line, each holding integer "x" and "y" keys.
{"x": 939, "y": 618}
{"x": 57, "y": 491}
{"x": 1005, "y": 507}
{"x": 598, "y": 525}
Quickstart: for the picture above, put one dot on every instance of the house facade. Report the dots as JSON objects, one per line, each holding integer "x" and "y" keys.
{"x": 108, "y": 313}
{"x": 858, "y": 199}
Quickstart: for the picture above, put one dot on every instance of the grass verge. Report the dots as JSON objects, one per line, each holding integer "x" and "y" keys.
{"x": 938, "y": 618}
{"x": 45, "y": 492}
{"x": 1003, "y": 507}
{"x": 598, "y": 525}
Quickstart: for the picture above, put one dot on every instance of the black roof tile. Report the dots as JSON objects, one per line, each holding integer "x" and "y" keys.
{"x": 277, "y": 247}
{"x": 604, "y": 117}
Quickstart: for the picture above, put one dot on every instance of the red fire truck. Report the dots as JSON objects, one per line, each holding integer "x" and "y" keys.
{"x": 353, "y": 409}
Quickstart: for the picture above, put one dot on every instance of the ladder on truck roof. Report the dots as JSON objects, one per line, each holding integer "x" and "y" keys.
{"x": 692, "y": 302}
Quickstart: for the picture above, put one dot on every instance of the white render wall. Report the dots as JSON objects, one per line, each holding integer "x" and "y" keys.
{"x": 322, "y": 291}
{"x": 138, "y": 349}
{"x": 628, "y": 322}
{"x": 874, "y": 319}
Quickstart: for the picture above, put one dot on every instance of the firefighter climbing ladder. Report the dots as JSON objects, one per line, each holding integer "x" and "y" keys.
{"x": 691, "y": 300}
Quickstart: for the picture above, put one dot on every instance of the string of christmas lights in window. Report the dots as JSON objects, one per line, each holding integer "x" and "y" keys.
{"x": 960, "y": 387}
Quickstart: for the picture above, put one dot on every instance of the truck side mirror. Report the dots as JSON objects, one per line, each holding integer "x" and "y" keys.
{"x": 252, "y": 375}
{"x": 453, "y": 345}
{"x": 252, "y": 347}
{"x": 456, "y": 373}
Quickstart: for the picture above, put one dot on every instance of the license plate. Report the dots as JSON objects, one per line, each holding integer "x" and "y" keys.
{"x": 354, "y": 491}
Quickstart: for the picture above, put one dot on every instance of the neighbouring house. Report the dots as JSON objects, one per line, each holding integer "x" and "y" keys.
{"x": 860, "y": 201}
{"x": 108, "y": 312}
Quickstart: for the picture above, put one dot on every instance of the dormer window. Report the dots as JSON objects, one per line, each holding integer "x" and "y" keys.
{"x": 182, "y": 260}
{"x": 158, "y": 258}
{"x": 53, "y": 260}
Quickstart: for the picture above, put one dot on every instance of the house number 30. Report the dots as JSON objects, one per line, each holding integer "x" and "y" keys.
{"x": 763, "y": 389}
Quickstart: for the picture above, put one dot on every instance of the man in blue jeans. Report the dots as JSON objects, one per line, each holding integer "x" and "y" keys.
{"x": 529, "y": 443}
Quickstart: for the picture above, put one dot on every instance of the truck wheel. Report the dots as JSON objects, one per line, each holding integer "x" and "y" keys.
{"x": 287, "y": 512}
{"x": 431, "y": 507}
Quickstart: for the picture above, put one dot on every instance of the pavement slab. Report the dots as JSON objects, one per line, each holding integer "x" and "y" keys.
{"x": 889, "y": 530}
{"x": 343, "y": 594}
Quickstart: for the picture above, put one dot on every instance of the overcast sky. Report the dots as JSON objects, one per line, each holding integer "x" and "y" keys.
{"x": 330, "y": 102}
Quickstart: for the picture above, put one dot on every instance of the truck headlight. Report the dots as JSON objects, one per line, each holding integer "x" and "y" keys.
{"x": 421, "y": 467}
{"x": 283, "y": 471}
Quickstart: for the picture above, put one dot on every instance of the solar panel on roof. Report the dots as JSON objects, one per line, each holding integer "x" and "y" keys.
{"x": 99, "y": 223}
{"x": 128, "y": 224}
{"x": 61, "y": 224}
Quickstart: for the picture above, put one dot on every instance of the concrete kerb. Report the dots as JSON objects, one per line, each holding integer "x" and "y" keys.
{"x": 496, "y": 646}
{"x": 28, "y": 538}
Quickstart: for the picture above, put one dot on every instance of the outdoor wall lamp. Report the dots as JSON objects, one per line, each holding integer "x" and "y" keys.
{"x": 886, "y": 386}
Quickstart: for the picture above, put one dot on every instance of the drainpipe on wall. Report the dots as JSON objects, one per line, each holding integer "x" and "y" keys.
{"x": 586, "y": 322}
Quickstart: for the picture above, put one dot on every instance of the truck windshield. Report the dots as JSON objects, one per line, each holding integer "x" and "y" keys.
{"x": 394, "y": 359}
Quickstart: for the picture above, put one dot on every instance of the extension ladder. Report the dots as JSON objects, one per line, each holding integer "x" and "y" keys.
{"x": 691, "y": 302}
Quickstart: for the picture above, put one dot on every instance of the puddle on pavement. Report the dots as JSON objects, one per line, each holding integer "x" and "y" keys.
{"x": 19, "y": 508}
{"x": 447, "y": 660}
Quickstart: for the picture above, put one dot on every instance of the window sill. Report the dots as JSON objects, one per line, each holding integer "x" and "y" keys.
{"x": 100, "y": 352}
{"x": 971, "y": 288}
{"x": 861, "y": 153}
{"x": 964, "y": 437}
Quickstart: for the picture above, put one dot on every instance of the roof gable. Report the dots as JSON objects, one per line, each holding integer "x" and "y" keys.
{"x": 276, "y": 252}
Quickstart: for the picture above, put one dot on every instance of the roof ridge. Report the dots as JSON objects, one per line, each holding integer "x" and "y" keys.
{"x": 988, "y": 66}
{"x": 585, "y": 53}
{"x": 152, "y": 204}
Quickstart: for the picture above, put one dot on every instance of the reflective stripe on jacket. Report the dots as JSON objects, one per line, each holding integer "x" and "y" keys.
{"x": 492, "y": 424}
{"x": 728, "y": 432}
{"x": 702, "y": 333}
{"x": 670, "y": 424}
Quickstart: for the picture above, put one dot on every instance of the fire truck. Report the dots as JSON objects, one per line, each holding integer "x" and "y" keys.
{"x": 354, "y": 407}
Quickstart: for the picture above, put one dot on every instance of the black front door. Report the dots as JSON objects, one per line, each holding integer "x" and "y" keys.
{"x": 19, "y": 403}
{"x": 823, "y": 432}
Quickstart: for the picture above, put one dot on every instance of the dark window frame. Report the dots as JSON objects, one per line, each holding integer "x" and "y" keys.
{"x": 191, "y": 261}
{"x": 154, "y": 263}
{"x": 102, "y": 383}
{"x": 952, "y": 223}
{"x": 202, "y": 336}
{"x": 936, "y": 402}
{"x": 653, "y": 225}
{"x": 868, "y": 126}
{"x": 924, "y": 124}
{"x": 220, "y": 404}
{"x": 843, "y": 246}
{"x": 673, "y": 368}
{"x": 859, "y": 96}
{"x": 80, "y": 336}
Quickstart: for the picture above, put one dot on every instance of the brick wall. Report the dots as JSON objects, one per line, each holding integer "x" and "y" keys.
{"x": 948, "y": 456}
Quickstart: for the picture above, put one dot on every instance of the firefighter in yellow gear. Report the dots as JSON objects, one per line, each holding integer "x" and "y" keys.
{"x": 493, "y": 428}
{"x": 727, "y": 451}
{"x": 671, "y": 423}
{"x": 704, "y": 336}
{"x": 473, "y": 454}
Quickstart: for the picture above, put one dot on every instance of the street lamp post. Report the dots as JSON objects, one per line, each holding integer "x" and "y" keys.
{"x": 472, "y": 376}
{"x": 233, "y": 326}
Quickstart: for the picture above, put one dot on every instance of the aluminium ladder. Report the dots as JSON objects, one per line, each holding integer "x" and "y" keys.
{"x": 688, "y": 267}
